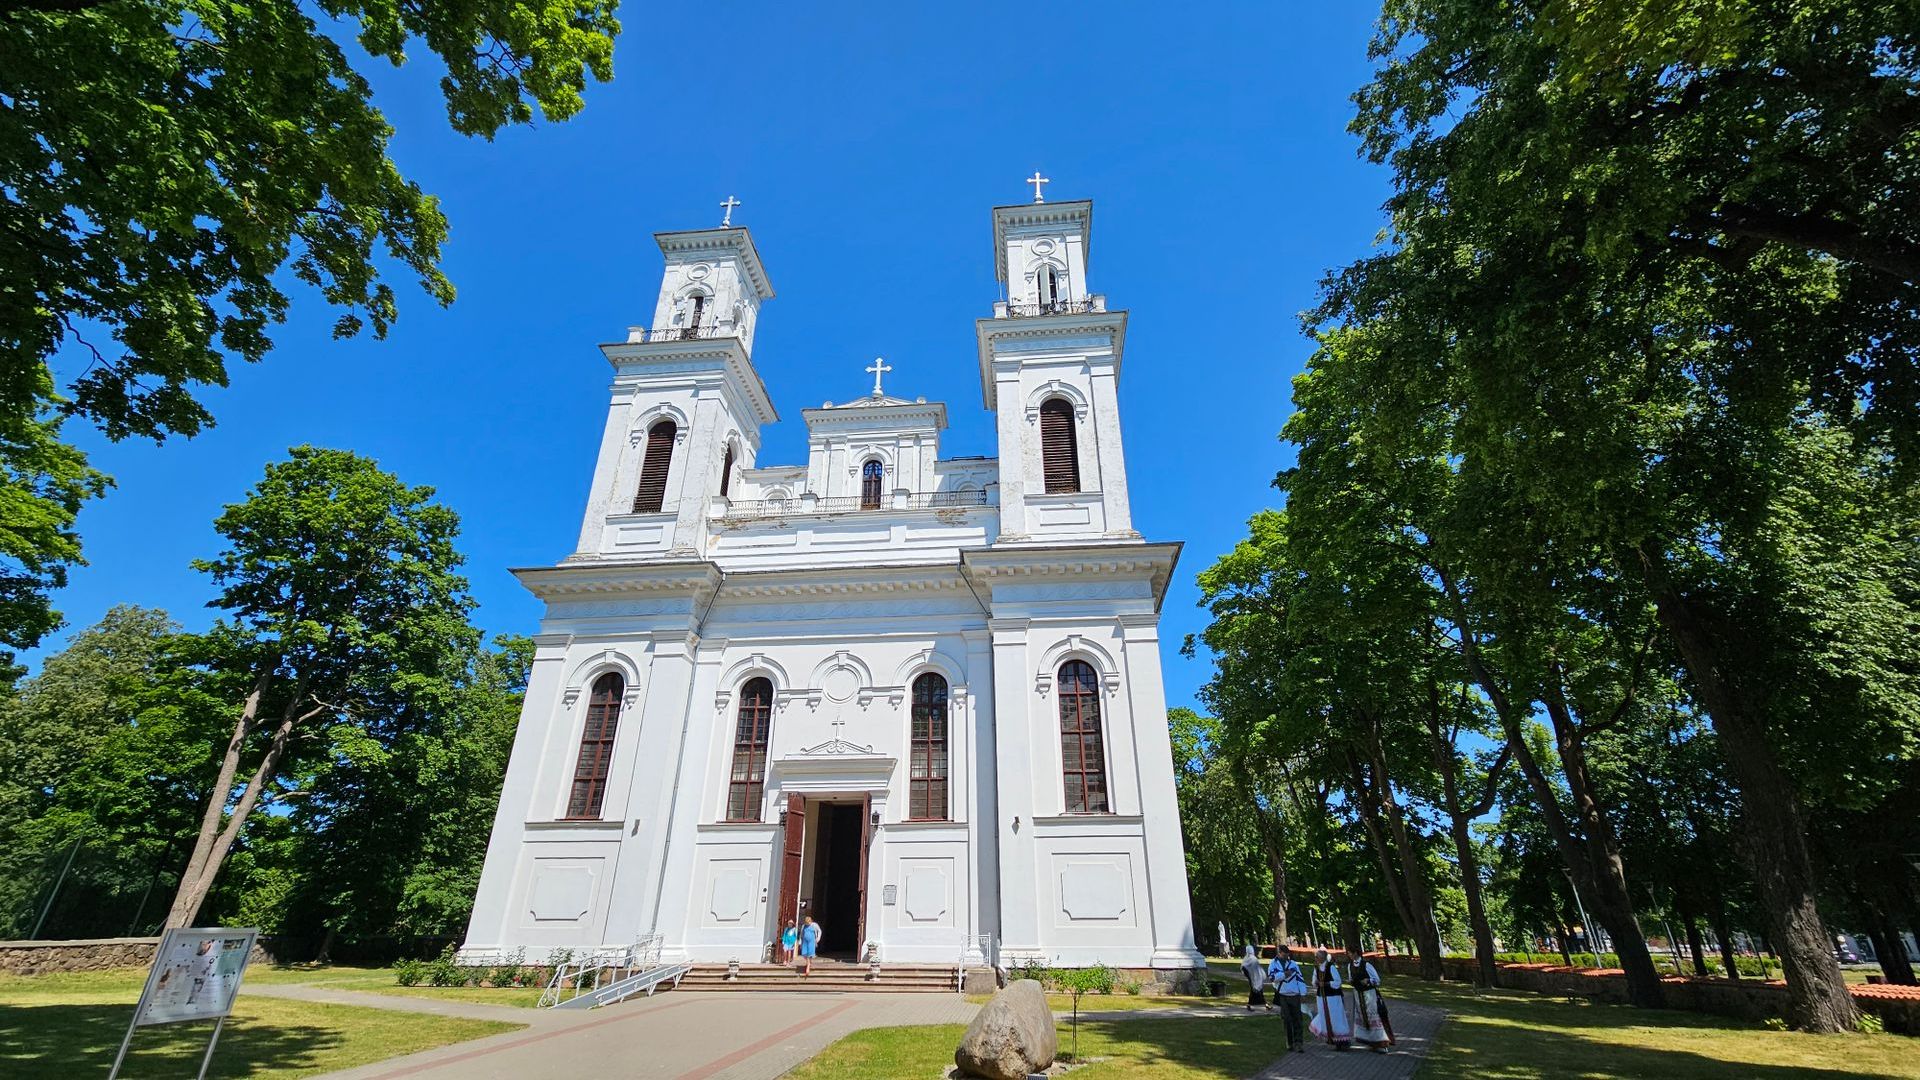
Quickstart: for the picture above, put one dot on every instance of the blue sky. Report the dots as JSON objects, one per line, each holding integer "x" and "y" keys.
{"x": 868, "y": 143}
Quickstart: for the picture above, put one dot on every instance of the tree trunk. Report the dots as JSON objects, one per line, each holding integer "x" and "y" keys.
{"x": 1773, "y": 836}
{"x": 1890, "y": 951}
{"x": 1723, "y": 930}
{"x": 1696, "y": 945}
{"x": 1608, "y": 899}
{"x": 1273, "y": 840}
{"x": 1406, "y": 881}
{"x": 194, "y": 889}
{"x": 186, "y": 904}
{"x": 1460, "y": 826}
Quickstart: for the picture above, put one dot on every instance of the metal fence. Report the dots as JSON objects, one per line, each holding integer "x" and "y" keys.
{"x": 763, "y": 509}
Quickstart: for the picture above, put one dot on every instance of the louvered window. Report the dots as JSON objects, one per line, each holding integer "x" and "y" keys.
{"x": 726, "y": 471}
{"x": 871, "y": 474}
{"x": 1059, "y": 447}
{"x": 1083, "y": 760}
{"x": 748, "y": 780}
{"x": 652, "y": 495}
{"x": 596, "y": 748}
{"x": 927, "y": 778}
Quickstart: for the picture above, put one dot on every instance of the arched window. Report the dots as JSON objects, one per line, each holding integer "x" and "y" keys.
{"x": 596, "y": 747}
{"x": 652, "y": 493}
{"x": 749, "y": 777}
{"x": 726, "y": 470}
{"x": 1049, "y": 289}
{"x": 1059, "y": 447}
{"x": 927, "y": 775}
{"x": 871, "y": 475}
{"x": 1083, "y": 760}
{"x": 699, "y": 309}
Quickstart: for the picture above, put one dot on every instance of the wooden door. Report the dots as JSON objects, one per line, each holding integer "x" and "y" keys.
{"x": 792, "y": 842}
{"x": 866, "y": 845}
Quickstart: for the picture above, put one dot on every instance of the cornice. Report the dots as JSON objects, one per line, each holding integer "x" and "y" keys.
{"x": 602, "y": 578}
{"x": 735, "y": 239}
{"x": 1153, "y": 562}
{"x": 1007, "y": 219}
{"x": 691, "y": 357}
{"x": 990, "y": 332}
{"x": 842, "y": 582}
{"x": 932, "y": 413}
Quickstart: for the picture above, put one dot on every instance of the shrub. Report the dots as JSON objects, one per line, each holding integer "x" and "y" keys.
{"x": 1870, "y": 1024}
{"x": 442, "y": 970}
{"x": 409, "y": 972}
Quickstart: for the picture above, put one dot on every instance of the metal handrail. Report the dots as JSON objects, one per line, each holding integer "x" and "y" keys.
{"x": 570, "y": 977}
{"x": 749, "y": 510}
{"x": 977, "y": 945}
{"x": 1052, "y": 307}
{"x": 680, "y": 333}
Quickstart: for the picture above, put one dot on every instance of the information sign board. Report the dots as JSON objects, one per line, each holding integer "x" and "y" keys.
{"x": 196, "y": 973}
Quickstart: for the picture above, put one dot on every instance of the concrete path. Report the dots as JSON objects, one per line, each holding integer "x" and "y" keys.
{"x": 682, "y": 1035}
{"x": 688, "y": 1035}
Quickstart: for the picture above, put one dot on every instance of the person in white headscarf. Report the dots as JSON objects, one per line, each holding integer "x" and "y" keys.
{"x": 1370, "y": 1024}
{"x": 1256, "y": 974}
{"x": 1330, "y": 1019}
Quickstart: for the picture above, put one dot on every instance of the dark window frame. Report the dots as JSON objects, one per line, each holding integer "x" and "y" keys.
{"x": 656, "y": 468}
{"x": 1077, "y": 690}
{"x": 593, "y": 761}
{"x": 873, "y": 478}
{"x": 930, "y": 750}
{"x": 752, "y": 731}
{"x": 1059, "y": 447}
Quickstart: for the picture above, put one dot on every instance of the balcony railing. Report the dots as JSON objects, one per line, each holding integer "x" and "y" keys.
{"x": 679, "y": 333}
{"x": 1057, "y": 307}
{"x": 764, "y": 509}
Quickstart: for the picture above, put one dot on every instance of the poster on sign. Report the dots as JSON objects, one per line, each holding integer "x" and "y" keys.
{"x": 195, "y": 975}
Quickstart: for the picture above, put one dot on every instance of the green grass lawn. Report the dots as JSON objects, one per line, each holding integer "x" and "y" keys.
{"x": 1500, "y": 1035}
{"x": 1505, "y": 1035}
{"x": 61, "y": 1026}
{"x": 1173, "y": 1048}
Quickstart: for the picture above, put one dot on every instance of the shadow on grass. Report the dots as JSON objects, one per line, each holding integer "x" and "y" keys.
{"x": 1516, "y": 1036}
{"x": 63, "y": 1041}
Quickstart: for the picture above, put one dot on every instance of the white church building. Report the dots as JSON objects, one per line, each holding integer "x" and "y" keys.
{"x": 917, "y": 697}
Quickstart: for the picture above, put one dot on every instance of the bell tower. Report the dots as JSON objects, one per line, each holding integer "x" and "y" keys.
{"x": 686, "y": 405}
{"x": 1050, "y": 368}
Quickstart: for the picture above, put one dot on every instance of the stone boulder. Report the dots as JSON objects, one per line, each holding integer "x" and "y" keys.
{"x": 1012, "y": 1037}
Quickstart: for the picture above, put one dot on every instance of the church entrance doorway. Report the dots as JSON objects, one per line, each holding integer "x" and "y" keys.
{"x": 830, "y": 861}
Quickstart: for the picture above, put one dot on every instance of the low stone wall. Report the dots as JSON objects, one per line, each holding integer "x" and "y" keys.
{"x": 96, "y": 954}
{"x": 1898, "y": 1007}
{"x": 91, "y": 954}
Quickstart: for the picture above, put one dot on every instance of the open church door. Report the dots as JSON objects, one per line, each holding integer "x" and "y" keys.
{"x": 866, "y": 845}
{"x": 791, "y": 842}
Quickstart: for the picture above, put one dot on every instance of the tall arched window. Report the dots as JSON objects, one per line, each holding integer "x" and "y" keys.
{"x": 1083, "y": 760}
{"x": 726, "y": 470}
{"x": 1059, "y": 447}
{"x": 596, "y": 747}
{"x": 927, "y": 775}
{"x": 651, "y": 496}
{"x": 699, "y": 309}
{"x": 748, "y": 780}
{"x": 871, "y": 475}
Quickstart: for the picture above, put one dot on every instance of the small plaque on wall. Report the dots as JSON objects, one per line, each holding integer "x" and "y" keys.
{"x": 888, "y": 894}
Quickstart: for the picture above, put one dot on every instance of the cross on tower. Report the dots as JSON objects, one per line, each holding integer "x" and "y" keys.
{"x": 1036, "y": 180}
{"x": 879, "y": 367}
{"x": 727, "y": 221}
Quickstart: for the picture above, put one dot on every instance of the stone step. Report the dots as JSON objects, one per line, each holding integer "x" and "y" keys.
{"x": 827, "y": 977}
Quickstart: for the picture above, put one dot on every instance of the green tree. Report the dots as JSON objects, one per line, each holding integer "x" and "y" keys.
{"x": 43, "y": 483}
{"x": 1226, "y": 852}
{"x": 1661, "y": 266}
{"x": 344, "y": 620}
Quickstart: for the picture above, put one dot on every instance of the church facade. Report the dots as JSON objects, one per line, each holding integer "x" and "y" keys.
{"x": 916, "y": 697}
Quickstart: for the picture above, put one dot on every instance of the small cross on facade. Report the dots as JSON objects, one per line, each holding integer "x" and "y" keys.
{"x": 879, "y": 367}
{"x": 1036, "y": 180}
{"x": 727, "y": 221}
{"x": 838, "y": 723}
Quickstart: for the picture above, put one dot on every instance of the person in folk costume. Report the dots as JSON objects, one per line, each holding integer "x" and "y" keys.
{"x": 1370, "y": 1024}
{"x": 1256, "y": 974}
{"x": 1290, "y": 988}
{"x": 1330, "y": 1019}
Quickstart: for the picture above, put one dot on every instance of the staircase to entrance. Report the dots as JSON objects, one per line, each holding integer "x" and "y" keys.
{"x": 829, "y": 977}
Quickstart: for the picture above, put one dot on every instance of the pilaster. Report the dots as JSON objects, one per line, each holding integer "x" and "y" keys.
{"x": 1013, "y": 762}
{"x": 1170, "y": 905}
{"x": 488, "y": 923}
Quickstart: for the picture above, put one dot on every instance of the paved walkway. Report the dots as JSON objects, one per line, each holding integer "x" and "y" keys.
{"x": 688, "y": 1035}
{"x": 682, "y": 1034}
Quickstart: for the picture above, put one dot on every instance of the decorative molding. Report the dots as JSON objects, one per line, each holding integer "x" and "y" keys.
{"x": 836, "y": 746}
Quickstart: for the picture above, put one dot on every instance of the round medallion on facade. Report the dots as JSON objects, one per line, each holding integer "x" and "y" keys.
{"x": 840, "y": 684}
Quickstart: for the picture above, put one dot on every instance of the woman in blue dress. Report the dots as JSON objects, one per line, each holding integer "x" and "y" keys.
{"x": 809, "y": 943}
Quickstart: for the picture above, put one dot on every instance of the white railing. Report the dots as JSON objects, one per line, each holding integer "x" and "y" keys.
{"x": 978, "y": 951}
{"x": 575, "y": 977}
